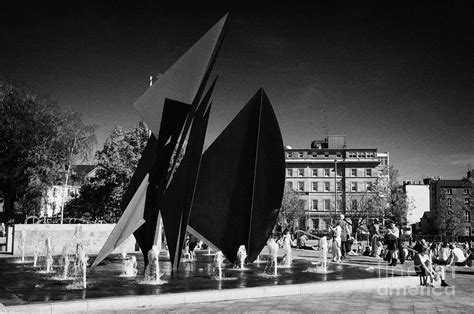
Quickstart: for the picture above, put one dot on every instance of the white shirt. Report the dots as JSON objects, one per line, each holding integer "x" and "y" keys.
{"x": 458, "y": 255}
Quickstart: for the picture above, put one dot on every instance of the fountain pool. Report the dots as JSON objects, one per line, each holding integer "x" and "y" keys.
{"x": 23, "y": 284}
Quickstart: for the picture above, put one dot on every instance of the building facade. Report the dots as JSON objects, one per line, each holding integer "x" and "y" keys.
{"x": 418, "y": 195}
{"x": 333, "y": 179}
{"x": 451, "y": 207}
{"x": 57, "y": 195}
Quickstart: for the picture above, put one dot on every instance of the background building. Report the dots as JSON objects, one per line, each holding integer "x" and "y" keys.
{"x": 332, "y": 178}
{"x": 418, "y": 194}
{"x": 57, "y": 195}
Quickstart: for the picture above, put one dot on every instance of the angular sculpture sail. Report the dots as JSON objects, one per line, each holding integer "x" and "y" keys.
{"x": 131, "y": 219}
{"x": 241, "y": 180}
{"x": 162, "y": 107}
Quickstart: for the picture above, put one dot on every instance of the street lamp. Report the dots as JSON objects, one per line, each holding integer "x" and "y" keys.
{"x": 335, "y": 187}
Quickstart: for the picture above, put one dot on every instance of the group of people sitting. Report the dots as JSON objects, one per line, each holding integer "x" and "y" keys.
{"x": 431, "y": 260}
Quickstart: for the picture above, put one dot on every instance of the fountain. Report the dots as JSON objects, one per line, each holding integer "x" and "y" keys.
{"x": 152, "y": 270}
{"x": 273, "y": 247}
{"x": 241, "y": 256}
{"x": 48, "y": 255}
{"x": 22, "y": 245}
{"x": 130, "y": 267}
{"x": 65, "y": 261}
{"x": 287, "y": 249}
{"x": 36, "y": 253}
{"x": 84, "y": 259}
{"x": 219, "y": 259}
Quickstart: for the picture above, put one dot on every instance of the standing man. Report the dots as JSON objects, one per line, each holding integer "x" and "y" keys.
{"x": 345, "y": 233}
{"x": 392, "y": 238}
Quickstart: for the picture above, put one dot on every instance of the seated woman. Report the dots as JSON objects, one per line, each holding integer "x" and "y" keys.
{"x": 458, "y": 258}
{"x": 423, "y": 267}
{"x": 440, "y": 257}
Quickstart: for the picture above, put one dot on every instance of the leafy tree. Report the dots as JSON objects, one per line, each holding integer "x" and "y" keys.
{"x": 292, "y": 209}
{"x": 36, "y": 137}
{"x": 390, "y": 200}
{"x": 99, "y": 199}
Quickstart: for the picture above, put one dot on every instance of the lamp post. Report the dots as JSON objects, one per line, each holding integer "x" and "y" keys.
{"x": 335, "y": 187}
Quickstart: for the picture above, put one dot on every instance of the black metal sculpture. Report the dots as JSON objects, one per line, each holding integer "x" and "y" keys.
{"x": 228, "y": 196}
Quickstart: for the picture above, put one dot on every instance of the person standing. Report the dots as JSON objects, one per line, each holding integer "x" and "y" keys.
{"x": 336, "y": 241}
{"x": 392, "y": 238}
{"x": 345, "y": 233}
{"x": 374, "y": 230}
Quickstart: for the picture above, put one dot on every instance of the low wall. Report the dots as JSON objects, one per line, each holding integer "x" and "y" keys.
{"x": 92, "y": 237}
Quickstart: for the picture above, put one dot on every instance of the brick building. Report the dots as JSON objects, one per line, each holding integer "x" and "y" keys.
{"x": 449, "y": 199}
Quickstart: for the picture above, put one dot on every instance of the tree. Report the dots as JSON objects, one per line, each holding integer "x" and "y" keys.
{"x": 362, "y": 208}
{"x": 35, "y": 146}
{"x": 390, "y": 199}
{"x": 99, "y": 199}
{"x": 292, "y": 209}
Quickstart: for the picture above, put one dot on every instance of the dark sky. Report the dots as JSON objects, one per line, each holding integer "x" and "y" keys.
{"x": 397, "y": 77}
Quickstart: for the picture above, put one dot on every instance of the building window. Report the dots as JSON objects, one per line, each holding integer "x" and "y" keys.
{"x": 315, "y": 154}
{"x": 467, "y": 232}
{"x": 369, "y": 186}
{"x": 300, "y": 154}
{"x": 326, "y": 187}
{"x": 370, "y": 154}
{"x": 368, "y": 172}
{"x": 327, "y": 204}
{"x": 314, "y": 205}
{"x": 289, "y": 172}
{"x": 449, "y": 191}
{"x": 449, "y": 202}
{"x": 467, "y": 200}
{"x": 467, "y": 215}
{"x": 289, "y": 185}
{"x": 326, "y": 154}
{"x": 361, "y": 154}
{"x": 354, "y": 205}
{"x": 315, "y": 223}
{"x": 315, "y": 186}
{"x": 315, "y": 172}
{"x": 354, "y": 172}
{"x": 300, "y": 172}
{"x": 352, "y": 155}
{"x": 466, "y": 191}
{"x": 338, "y": 154}
{"x": 339, "y": 186}
{"x": 353, "y": 186}
{"x": 326, "y": 172}
{"x": 288, "y": 155}
{"x": 301, "y": 186}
